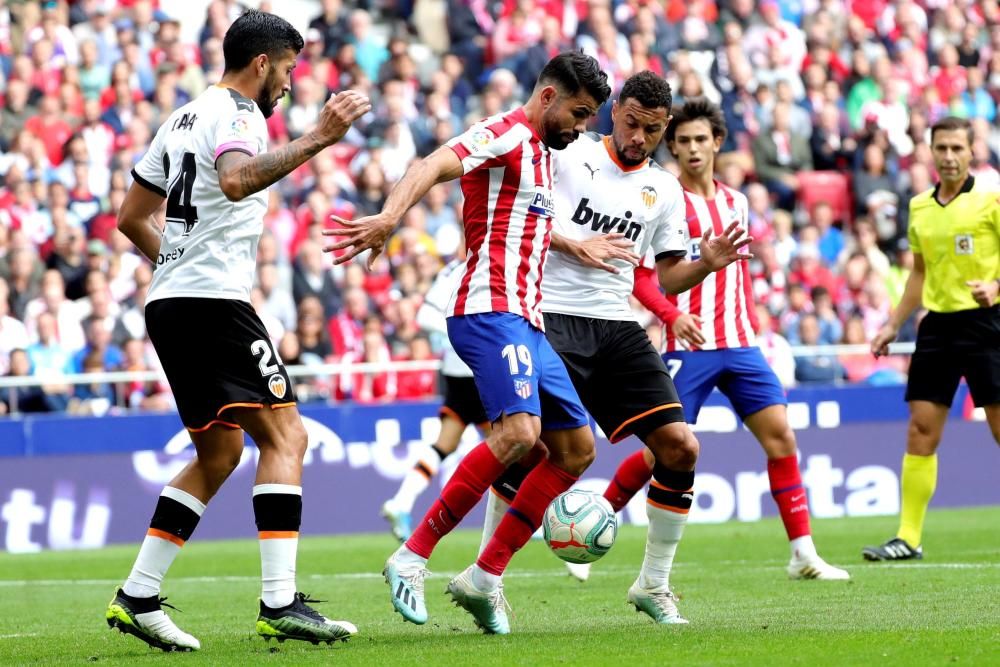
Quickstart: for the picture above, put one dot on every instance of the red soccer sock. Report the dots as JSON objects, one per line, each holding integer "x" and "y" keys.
{"x": 788, "y": 492}
{"x": 632, "y": 475}
{"x": 524, "y": 517}
{"x": 471, "y": 479}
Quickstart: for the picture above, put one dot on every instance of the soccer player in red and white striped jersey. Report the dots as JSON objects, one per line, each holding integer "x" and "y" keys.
{"x": 495, "y": 324}
{"x": 709, "y": 340}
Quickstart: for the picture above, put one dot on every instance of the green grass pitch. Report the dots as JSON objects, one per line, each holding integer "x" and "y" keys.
{"x": 731, "y": 580}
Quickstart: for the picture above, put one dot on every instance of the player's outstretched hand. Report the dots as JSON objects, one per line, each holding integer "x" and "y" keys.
{"x": 687, "y": 328}
{"x": 721, "y": 251}
{"x": 885, "y": 335}
{"x": 339, "y": 112}
{"x": 598, "y": 251}
{"x": 368, "y": 233}
{"x": 984, "y": 291}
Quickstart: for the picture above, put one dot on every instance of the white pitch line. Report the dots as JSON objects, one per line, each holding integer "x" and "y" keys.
{"x": 516, "y": 574}
{"x": 19, "y": 635}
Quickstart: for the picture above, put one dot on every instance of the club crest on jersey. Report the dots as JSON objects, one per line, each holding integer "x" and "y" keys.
{"x": 277, "y": 385}
{"x": 522, "y": 388}
{"x": 541, "y": 203}
{"x": 648, "y": 196}
{"x": 963, "y": 244}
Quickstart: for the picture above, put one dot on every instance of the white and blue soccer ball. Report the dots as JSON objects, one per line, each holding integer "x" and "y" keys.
{"x": 580, "y": 526}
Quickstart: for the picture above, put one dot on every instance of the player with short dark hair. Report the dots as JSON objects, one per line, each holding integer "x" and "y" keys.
{"x": 495, "y": 324}
{"x": 614, "y": 205}
{"x": 209, "y": 162}
{"x": 709, "y": 339}
{"x": 954, "y": 234}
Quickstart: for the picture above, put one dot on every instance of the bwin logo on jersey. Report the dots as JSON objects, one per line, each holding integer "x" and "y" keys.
{"x": 542, "y": 204}
{"x": 605, "y": 224}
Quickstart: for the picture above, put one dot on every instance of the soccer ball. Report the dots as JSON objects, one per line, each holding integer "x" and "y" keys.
{"x": 580, "y": 526}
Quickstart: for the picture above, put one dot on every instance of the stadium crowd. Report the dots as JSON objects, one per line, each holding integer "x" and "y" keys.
{"x": 828, "y": 104}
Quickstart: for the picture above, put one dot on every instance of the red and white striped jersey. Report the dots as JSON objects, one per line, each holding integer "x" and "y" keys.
{"x": 724, "y": 300}
{"x": 507, "y": 214}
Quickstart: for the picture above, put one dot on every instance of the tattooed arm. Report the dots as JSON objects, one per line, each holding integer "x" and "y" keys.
{"x": 241, "y": 175}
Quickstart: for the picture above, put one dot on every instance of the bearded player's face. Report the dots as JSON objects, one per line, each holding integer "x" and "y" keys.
{"x": 564, "y": 117}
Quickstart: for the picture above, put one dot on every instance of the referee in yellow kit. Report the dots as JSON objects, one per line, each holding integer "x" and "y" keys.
{"x": 955, "y": 237}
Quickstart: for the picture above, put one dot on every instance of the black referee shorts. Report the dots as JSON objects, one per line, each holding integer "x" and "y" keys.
{"x": 217, "y": 356}
{"x": 951, "y": 346}
{"x": 619, "y": 376}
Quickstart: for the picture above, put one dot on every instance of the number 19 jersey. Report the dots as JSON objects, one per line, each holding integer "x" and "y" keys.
{"x": 209, "y": 244}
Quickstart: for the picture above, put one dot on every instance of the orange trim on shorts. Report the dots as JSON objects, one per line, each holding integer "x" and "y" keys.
{"x": 669, "y": 508}
{"x": 213, "y": 423}
{"x": 277, "y": 534}
{"x": 618, "y": 435}
{"x": 275, "y": 406}
{"x": 237, "y": 405}
{"x": 164, "y": 535}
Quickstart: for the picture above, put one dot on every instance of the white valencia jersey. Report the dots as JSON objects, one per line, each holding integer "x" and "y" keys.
{"x": 596, "y": 195}
{"x": 724, "y": 300}
{"x": 209, "y": 245}
{"x": 432, "y": 315}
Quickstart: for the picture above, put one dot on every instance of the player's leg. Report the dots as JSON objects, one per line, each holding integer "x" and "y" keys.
{"x": 770, "y": 427}
{"x": 501, "y": 350}
{"x": 397, "y": 509}
{"x": 136, "y": 608}
{"x": 935, "y": 371}
{"x": 570, "y": 444}
{"x": 694, "y": 375}
{"x": 668, "y": 503}
{"x": 277, "y": 504}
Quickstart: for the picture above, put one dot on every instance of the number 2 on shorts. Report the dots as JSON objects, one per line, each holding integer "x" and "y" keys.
{"x": 515, "y": 354}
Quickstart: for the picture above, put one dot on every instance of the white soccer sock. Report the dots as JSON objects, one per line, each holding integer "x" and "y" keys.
{"x": 404, "y": 556}
{"x": 159, "y": 548}
{"x": 803, "y": 547}
{"x": 416, "y": 481}
{"x": 483, "y": 580}
{"x": 496, "y": 507}
{"x": 662, "y": 537}
{"x": 278, "y": 549}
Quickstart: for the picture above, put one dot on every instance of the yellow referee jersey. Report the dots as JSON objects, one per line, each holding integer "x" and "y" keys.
{"x": 959, "y": 242}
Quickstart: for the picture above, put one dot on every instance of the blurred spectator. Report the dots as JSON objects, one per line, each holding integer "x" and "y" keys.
{"x": 775, "y": 348}
{"x": 815, "y": 369}
{"x": 50, "y": 361}
{"x": 312, "y": 277}
{"x": 13, "y": 334}
{"x": 414, "y": 384}
{"x": 779, "y": 155}
{"x": 22, "y": 399}
{"x": 370, "y": 386}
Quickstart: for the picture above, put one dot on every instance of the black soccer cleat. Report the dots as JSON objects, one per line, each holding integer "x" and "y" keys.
{"x": 895, "y": 549}
{"x": 145, "y": 619}
{"x": 300, "y": 621}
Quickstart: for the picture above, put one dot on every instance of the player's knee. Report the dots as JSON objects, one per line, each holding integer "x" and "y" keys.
{"x": 220, "y": 463}
{"x": 674, "y": 446}
{"x": 514, "y": 441}
{"x": 295, "y": 440}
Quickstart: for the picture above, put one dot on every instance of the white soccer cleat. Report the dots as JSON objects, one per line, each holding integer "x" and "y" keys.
{"x": 814, "y": 567}
{"x": 579, "y": 571}
{"x": 488, "y": 608}
{"x": 406, "y": 588}
{"x": 661, "y": 606}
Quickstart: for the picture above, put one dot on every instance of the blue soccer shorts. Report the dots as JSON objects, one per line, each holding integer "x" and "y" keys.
{"x": 516, "y": 370}
{"x": 740, "y": 373}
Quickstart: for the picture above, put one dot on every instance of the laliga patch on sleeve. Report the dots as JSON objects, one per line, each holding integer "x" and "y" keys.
{"x": 478, "y": 140}
{"x": 240, "y": 127}
{"x": 963, "y": 244}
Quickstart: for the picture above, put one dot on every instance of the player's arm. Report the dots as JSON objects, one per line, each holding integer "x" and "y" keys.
{"x": 241, "y": 175}
{"x": 137, "y": 219}
{"x": 596, "y": 252}
{"x": 910, "y": 301}
{"x": 686, "y": 327}
{"x": 677, "y": 274}
{"x": 372, "y": 231}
